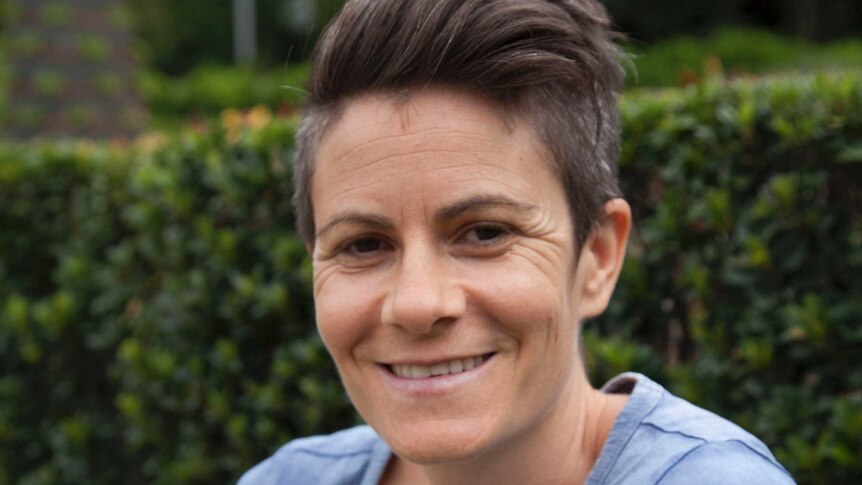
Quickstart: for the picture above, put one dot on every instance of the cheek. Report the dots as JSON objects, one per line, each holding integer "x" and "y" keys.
{"x": 345, "y": 312}
{"x": 521, "y": 296}
{"x": 535, "y": 313}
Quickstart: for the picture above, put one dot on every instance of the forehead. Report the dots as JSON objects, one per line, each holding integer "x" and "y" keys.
{"x": 392, "y": 149}
{"x": 392, "y": 114}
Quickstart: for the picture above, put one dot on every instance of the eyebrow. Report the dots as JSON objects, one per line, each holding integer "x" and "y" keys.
{"x": 445, "y": 214}
{"x": 372, "y": 221}
{"x": 481, "y": 202}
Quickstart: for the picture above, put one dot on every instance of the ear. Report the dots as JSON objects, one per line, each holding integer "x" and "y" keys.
{"x": 602, "y": 257}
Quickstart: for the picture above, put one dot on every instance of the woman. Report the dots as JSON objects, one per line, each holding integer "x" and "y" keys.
{"x": 456, "y": 187}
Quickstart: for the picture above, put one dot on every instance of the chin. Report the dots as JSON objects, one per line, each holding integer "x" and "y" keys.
{"x": 434, "y": 447}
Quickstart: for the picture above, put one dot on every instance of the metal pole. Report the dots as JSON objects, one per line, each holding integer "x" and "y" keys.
{"x": 244, "y": 31}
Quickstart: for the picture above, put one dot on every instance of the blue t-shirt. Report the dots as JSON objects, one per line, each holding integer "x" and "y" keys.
{"x": 658, "y": 438}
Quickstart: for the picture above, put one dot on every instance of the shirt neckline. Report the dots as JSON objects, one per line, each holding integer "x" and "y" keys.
{"x": 643, "y": 394}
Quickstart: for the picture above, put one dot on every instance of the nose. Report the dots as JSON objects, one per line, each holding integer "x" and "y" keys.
{"x": 423, "y": 293}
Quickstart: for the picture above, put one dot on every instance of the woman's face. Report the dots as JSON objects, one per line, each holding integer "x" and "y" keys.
{"x": 445, "y": 275}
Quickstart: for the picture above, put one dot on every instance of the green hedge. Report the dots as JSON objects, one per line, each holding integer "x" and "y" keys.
{"x": 207, "y": 90}
{"x": 742, "y": 289}
{"x": 735, "y": 51}
{"x": 156, "y": 323}
{"x": 4, "y": 81}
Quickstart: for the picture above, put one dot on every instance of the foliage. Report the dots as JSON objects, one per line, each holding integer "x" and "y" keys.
{"x": 741, "y": 290}
{"x": 4, "y": 83}
{"x": 208, "y": 90}
{"x": 177, "y": 36}
{"x": 734, "y": 51}
{"x": 154, "y": 309}
{"x": 156, "y": 324}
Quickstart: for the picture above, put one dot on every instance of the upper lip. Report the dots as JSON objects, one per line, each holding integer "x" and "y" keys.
{"x": 429, "y": 361}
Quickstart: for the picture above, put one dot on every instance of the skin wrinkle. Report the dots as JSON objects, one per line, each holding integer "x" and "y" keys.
{"x": 456, "y": 165}
{"x": 350, "y": 190}
{"x": 461, "y": 166}
{"x": 557, "y": 244}
{"x": 479, "y": 177}
{"x": 394, "y": 139}
{"x": 397, "y": 156}
{"x": 547, "y": 270}
{"x": 390, "y": 139}
{"x": 322, "y": 275}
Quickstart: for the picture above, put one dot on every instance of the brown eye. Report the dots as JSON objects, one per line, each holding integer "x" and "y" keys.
{"x": 365, "y": 246}
{"x": 486, "y": 234}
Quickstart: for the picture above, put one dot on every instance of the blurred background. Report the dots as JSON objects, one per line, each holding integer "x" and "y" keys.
{"x": 156, "y": 324}
{"x": 194, "y": 58}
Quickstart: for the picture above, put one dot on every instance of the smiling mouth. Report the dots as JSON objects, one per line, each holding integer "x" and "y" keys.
{"x": 455, "y": 366}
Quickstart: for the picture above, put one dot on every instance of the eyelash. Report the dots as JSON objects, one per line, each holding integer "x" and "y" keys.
{"x": 504, "y": 231}
{"x": 349, "y": 247}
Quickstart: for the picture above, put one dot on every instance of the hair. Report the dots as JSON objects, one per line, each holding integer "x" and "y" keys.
{"x": 553, "y": 63}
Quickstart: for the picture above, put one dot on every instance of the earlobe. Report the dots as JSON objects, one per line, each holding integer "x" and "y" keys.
{"x": 603, "y": 257}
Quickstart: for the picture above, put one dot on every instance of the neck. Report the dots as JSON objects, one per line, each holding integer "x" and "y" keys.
{"x": 562, "y": 447}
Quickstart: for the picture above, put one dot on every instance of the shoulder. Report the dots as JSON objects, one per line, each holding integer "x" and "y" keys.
{"x": 723, "y": 463}
{"x": 662, "y": 439}
{"x": 345, "y": 457}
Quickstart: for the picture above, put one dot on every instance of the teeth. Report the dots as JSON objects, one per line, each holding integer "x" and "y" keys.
{"x": 423, "y": 371}
{"x": 439, "y": 369}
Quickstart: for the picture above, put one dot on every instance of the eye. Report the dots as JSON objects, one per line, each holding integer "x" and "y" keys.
{"x": 365, "y": 246}
{"x": 486, "y": 234}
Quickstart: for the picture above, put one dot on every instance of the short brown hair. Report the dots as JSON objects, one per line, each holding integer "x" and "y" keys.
{"x": 552, "y": 62}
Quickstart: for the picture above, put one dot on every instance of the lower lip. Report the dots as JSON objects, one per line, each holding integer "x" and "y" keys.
{"x": 435, "y": 385}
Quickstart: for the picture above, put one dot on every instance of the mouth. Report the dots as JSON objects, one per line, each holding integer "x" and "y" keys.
{"x": 454, "y": 366}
